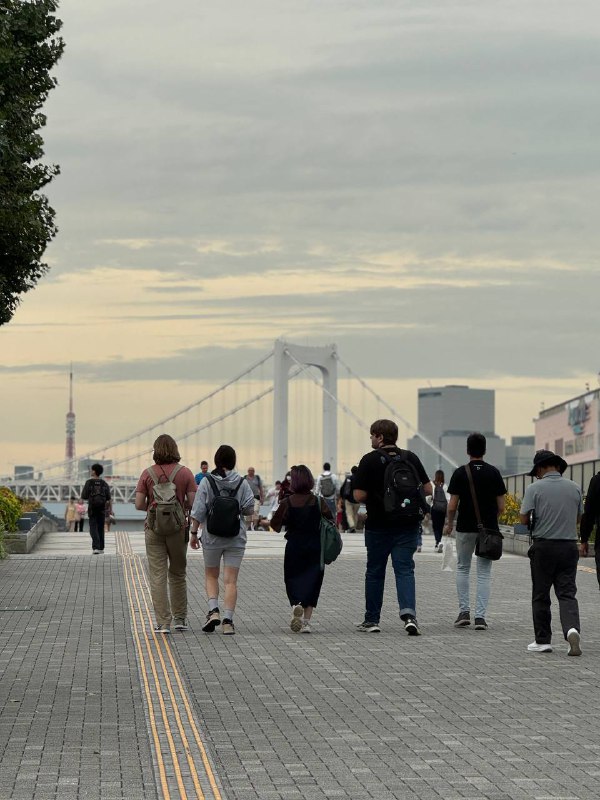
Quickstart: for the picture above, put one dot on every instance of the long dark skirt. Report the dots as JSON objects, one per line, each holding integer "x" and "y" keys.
{"x": 302, "y": 573}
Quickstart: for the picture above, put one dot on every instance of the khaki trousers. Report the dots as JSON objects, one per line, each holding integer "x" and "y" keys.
{"x": 352, "y": 513}
{"x": 167, "y": 558}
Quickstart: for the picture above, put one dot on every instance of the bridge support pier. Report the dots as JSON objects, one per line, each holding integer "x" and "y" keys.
{"x": 325, "y": 359}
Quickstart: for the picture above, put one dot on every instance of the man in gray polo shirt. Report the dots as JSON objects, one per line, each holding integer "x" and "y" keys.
{"x": 555, "y": 505}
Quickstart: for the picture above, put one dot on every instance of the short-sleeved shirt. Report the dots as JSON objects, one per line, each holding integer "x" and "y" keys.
{"x": 184, "y": 482}
{"x": 489, "y": 485}
{"x": 255, "y": 484}
{"x": 369, "y": 478}
{"x": 556, "y": 502}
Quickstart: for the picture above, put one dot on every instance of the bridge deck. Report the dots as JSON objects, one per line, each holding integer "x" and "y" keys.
{"x": 94, "y": 706}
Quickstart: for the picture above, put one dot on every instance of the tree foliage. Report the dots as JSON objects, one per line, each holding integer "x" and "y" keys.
{"x": 29, "y": 49}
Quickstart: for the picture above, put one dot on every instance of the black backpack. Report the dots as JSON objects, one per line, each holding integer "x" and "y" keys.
{"x": 97, "y": 496}
{"x": 403, "y": 495}
{"x": 346, "y": 491}
{"x": 224, "y": 512}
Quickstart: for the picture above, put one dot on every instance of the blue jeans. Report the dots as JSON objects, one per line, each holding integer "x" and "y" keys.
{"x": 330, "y": 502}
{"x": 401, "y": 546}
{"x": 465, "y": 547}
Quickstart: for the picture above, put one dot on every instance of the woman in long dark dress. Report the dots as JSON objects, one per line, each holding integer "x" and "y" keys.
{"x": 300, "y": 512}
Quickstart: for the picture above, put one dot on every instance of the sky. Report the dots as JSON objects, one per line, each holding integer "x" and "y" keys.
{"x": 417, "y": 183}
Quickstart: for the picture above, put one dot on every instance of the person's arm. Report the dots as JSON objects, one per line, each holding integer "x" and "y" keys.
{"x": 360, "y": 496}
{"x": 261, "y": 490}
{"x": 360, "y": 481}
{"x": 247, "y": 500}
{"x": 450, "y": 514}
{"x": 279, "y": 517}
{"x": 85, "y": 492}
{"x": 428, "y": 489}
{"x": 527, "y": 505}
{"x": 141, "y": 501}
{"x": 501, "y": 504}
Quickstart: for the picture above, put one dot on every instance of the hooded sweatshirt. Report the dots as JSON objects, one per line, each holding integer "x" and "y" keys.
{"x": 204, "y": 497}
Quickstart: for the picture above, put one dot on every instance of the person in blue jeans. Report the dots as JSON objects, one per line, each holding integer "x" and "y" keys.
{"x": 389, "y": 534}
{"x": 489, "y": 491}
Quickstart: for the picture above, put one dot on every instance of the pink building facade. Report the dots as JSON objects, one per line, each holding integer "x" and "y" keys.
{"x": 571, "y": 429}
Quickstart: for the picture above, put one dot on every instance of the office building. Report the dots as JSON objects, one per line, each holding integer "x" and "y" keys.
{"x": 571, "y": 429}
{"x": 519, "y": 454}
{"x": 446, "y": 416}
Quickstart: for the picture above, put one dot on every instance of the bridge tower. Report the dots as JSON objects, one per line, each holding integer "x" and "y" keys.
{"x": 285, "y": 356}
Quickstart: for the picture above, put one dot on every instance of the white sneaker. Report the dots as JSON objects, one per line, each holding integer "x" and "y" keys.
{"x": 296, "y": 623}
{"x": 305, "y": 626}
{"x": 573, "y": 638}
{"x": 534, "y": 647}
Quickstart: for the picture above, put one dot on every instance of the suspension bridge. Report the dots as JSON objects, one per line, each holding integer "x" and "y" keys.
{"x": 294, "y": 404}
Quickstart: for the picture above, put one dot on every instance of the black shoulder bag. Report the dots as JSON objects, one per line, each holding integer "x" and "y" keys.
{"x": 489, "y": 542}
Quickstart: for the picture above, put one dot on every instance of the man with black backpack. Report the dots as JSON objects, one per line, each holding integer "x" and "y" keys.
{"x": 393, "y": 484}
{"x": 97, "y": 492}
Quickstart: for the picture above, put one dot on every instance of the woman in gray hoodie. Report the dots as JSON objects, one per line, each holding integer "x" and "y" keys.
{"x": 223, "y": 482}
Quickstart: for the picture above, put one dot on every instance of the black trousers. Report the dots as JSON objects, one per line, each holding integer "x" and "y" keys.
{"x": 97, "y": 529}
{"x": 553, "y": 564}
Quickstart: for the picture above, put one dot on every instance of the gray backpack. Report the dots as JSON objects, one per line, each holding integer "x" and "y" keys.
{"x": 165, "y": 516}
{"x": 439, "y": 499}
{"x": 327, "y": 486}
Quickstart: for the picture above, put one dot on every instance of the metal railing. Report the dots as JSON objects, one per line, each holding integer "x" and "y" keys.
{"x": 581, "y": 474}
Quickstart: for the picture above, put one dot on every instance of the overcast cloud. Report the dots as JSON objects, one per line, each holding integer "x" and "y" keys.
{"x": 416, "y": 182}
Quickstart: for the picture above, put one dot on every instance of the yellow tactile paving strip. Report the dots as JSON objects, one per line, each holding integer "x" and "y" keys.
{"x": 174, "y": 733}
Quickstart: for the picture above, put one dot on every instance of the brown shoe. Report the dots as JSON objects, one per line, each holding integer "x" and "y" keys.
{"x": 228, "y": 627}
{"x": 213, "y": 618}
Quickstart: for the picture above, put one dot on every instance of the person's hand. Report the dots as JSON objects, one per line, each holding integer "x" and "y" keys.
{"x": 447, "y": 529}
{"x": 584, "y": 549}
{"x": 194, "y": 541}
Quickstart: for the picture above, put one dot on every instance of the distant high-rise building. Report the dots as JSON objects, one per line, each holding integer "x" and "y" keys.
{"x": 519, "y": 454}
{"x": 446, "y": 416}
{"x": 70, "y": 438}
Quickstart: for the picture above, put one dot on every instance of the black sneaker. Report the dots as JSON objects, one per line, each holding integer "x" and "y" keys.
{"x": 368, "y": 627}
{"x": 213, "y": 618}
{"x": 463, "y": 619}
{"x": 480, "y": 624}
{"x": 411, "y": 626}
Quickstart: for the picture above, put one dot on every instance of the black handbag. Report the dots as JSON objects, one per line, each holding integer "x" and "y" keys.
{"x": 489, "y": 541}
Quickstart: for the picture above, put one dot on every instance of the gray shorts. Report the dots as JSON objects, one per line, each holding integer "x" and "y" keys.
{"x": 232, "y": 556}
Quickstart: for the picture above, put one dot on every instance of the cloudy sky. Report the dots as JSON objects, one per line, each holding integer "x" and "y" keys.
{"x": 417, "y": 182}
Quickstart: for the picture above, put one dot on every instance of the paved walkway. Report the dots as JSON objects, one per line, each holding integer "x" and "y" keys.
{"x": 93, "y": 705}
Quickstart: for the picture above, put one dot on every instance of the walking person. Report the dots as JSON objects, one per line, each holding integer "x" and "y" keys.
{"x": 258, "y": 491}
{"x": 556, "y": 506}
{"x": 327, "y": 488}
{"x": 80, "y": 516}
{"x": 393, "y": 520}
{"x": 490, "y": 491}
{"x": 350, "y": 506}
{"x": 71, "y": 515}
{"x": 97, "y": 492}
{"x": 591, "y": 518}
{"x": 439, "y": 508}
{"x": 300, "y": 512}
{"x": 199, "y": 476}
{"x": 166, "y": 492}
{"x": 227, "y": 546}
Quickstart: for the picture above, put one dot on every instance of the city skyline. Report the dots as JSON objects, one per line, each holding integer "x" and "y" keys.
{"x": 416, "y": 184}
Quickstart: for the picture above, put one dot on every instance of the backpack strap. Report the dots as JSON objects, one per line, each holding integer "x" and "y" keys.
{"x": 152, "y": 475}
{"x": 213, "y": 485}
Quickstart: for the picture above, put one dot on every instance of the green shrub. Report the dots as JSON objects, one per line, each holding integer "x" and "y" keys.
{"x": 10, "y": 510}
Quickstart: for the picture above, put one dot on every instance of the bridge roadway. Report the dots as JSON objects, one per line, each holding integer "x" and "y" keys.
{"x": 95, "y": 706}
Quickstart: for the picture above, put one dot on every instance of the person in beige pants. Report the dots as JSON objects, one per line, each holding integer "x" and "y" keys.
{"x": 167, "y": 555}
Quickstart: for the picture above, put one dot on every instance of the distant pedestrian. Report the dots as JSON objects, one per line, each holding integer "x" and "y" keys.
{"x": 555, "y": 504}
{"x": 80, "y": 518}
{"x": 300, "y": 514}
{"x": 71, "y": 515}
{"x": 97, "y": 492}
{"x": 108, "y": 517}
{"x": 202, "y": 474}
{"x": 439, "y": 508}
{"x": 166, "y": 492}
{"x": 392, "y": 524}
{"x": 258, "y": 491}
{"x": 350, "y": 505}
{"x": 327, "y": 488}
{"x": 591, "y": 518}
{"x": 227, "y": 546}
{"x": 489, "y": 492}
